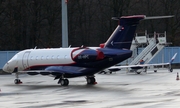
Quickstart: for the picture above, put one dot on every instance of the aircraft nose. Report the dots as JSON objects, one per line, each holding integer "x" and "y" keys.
{"x": 5, "y": 67}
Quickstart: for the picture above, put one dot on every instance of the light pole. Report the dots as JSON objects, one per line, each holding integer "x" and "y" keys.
{"x": 64, "y": 24}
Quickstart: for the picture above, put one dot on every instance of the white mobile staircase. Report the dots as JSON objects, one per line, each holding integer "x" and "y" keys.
{"x": 156, "y": 44}
{"x": 145, "y": 52}
{"x": 139, "y": 40}
{"x": 153, "y": 46}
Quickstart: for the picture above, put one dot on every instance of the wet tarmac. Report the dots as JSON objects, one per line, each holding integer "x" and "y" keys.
{"x": 117, "y": 90}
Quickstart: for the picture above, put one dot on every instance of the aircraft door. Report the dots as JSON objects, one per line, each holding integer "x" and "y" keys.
{"x": 25, "y": 59}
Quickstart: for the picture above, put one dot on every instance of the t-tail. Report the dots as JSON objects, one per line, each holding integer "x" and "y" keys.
{"x": 123, "y": 35}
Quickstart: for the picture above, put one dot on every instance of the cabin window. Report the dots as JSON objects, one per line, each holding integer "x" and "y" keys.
{"x": 41, "y": 57}
{"x": 65, "y": 57}
{"x": 47, "y": 57}
{"x": 58, "y": 57}
{"x": 31, "y": 58}
{"x": 52, "y": 57}
{"x": 36, "y": 57}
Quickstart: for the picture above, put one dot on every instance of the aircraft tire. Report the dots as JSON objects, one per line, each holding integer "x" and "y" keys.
{"x": 138, "y": 72}
{"x": 91, "y": 80}
{"x": 64, "y": 82}
{"x": 17, "y": 81}
{"x": 171, "y": 69}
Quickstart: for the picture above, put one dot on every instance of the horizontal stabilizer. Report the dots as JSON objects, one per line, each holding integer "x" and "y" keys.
{"x": 145, "y": 17}
{"x": 158, "y": 17}
{"x": 123, "y": 35}
{"x": 144, "y": 65}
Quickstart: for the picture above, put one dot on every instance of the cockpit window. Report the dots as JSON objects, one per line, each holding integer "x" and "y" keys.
{"x": 13, "y": 58}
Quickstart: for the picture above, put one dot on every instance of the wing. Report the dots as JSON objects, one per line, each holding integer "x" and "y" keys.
{"x": 132, "y": 66}
{"x": 55, "y": 70}
{"x": 143, "y": 65}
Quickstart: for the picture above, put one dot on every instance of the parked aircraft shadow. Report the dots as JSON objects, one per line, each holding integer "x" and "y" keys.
{"x": 13, "y": 93}
{"x": 85, "y": 87}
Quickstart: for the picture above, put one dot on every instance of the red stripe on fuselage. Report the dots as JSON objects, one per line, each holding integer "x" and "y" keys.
{"x": 46, "y": 65}
{"x": 76, "y": 50}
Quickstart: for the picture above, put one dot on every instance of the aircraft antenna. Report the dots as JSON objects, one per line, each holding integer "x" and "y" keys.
{"x": 35, "y": 47}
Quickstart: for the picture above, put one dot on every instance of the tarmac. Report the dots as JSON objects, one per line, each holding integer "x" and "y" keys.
{"x": 116, "y": 90}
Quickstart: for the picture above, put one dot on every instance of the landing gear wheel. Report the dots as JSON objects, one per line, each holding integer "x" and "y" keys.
{"x": 155, "y": 70}
{"x": 91, "y": 80}
{"x": 64, "y": 82}
{"x": 171, "y": 69}
{"x": 138, "y": 72}
{"x": 17, "y": 81}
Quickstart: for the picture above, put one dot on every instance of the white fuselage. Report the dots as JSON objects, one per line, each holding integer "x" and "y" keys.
{"x": 41, "y": 57}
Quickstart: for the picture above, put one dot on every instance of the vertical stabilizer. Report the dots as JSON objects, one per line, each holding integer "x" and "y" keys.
{"x": 123, "y": 35}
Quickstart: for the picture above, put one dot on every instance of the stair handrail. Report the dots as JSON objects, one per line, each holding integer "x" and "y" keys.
{"x": 146, "y": 50}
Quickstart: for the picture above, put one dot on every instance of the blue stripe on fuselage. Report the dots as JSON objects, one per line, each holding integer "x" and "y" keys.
{"x": 112, "y": 57}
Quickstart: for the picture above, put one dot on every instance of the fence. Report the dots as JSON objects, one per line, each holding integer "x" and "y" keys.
{"x": 163, "y": 56}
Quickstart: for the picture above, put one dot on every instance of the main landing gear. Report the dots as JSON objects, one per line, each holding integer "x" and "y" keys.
{"x": 63, "y": 82}
{"x": 90, "y": 80}
{"x": 17, "y": 80}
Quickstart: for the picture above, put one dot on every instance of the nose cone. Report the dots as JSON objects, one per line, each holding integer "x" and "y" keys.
{"x": 5, "y": 67}
{"x": 8, "y": 68}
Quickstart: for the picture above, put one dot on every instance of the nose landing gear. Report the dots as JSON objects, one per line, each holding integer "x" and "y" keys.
{"x": 17, "y": 80}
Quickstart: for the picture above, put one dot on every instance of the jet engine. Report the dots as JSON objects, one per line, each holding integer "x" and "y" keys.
{"x": 86, "y": 55}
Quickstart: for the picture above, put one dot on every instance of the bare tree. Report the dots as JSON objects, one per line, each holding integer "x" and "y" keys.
{"x": 30, "y": 23}
{"x": 172, "y": 25}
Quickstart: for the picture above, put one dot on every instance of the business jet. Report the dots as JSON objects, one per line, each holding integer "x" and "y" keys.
{"x": 64, "y": 63}
{"x": 141, "y": 67}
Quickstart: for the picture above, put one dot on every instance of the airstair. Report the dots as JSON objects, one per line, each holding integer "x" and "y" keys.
{"x": 139, "y": 40}
{"x": 155, "y": 45}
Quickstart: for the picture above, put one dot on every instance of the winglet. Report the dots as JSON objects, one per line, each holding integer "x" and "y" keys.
{"x": 172, "y": 59}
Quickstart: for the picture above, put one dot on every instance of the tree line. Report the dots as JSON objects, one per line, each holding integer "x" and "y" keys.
{"x": 29, "y": 23}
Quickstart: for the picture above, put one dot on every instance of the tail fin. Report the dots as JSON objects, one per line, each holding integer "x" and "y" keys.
{"x": 123, "y": 35}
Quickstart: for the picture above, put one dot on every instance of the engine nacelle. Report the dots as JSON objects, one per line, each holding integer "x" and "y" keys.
{"x": 86, "y": 55}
